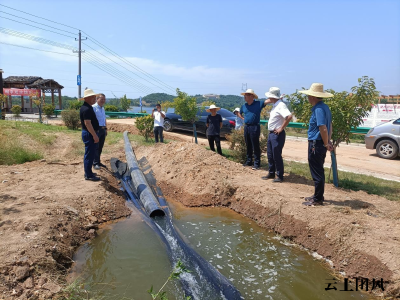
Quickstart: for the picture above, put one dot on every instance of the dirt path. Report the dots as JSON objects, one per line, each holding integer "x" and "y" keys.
{"x": 358, "y": 232}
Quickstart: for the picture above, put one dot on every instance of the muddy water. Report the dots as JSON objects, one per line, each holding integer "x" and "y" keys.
{"x": 127, "y": 258}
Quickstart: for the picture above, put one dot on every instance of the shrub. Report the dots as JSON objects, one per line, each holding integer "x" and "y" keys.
{"x": 238, "y": 145}
{"x": 16, "y": 110}
{"x": 75, "y": 104}
{"x": 71, "y": 118}
{"x": 145, "y": 126}
{"x": 111, "y": 108}
{"x": 48, "y": 110}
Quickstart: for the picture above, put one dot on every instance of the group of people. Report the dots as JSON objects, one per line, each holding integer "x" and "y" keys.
{"x": 94, "y": 132}
{"x": 319, "y": 135}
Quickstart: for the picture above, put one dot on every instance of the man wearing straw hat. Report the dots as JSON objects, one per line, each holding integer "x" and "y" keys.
{"x": 279, "y": 118}
{"x": 90, "y": 127}
{"x": 214, "y": 124}
{"x": 252, "y": 110}
{"x": 319, "y": 140}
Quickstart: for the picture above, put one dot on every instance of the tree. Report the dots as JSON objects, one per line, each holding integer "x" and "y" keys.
{"x": 166, "y": 104}
{"x": 207, "y": 103}
{"x": 3, "y": 99}
{"x": 348, "y": 110}
{"x": 145, "y": 125}
{"x": 16, "y": 110}
{"x": 186, "y": 106}
{"x": 125, "y": 103}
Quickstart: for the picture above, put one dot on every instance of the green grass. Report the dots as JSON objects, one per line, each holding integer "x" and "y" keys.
{"x": 13, "y": 153}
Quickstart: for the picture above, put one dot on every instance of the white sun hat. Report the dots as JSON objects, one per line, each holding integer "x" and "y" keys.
{"x": 274, "y": 92}
{"x": 317, "y": 90}
{"x": 250, "y": 91}
{"x": 237, "y": 109}
{"x": 88, "y": 93}
{"x": 212, "y": 107}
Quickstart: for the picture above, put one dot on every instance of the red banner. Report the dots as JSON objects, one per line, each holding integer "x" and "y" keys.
{"x": 22, "y": 92}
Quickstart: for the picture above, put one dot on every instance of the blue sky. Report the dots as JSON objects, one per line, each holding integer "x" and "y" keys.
{"x": 213, "y": 46}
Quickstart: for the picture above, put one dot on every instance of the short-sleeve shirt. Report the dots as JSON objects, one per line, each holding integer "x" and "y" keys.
{"x": 87, "y": 113}
{"x": 321, "y": 115}
{"x": 252, "y": 112}
{"x": 238, "y": 123}
{"x": 100, "y": 114}
{"x": 214, "y": 124}
{"x": 158, "y": 119}
{"x": 277, "y": 116}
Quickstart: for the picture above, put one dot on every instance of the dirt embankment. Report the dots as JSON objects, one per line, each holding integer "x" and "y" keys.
{"x": 47, "y": 210}
{"x": 358, "y": 232}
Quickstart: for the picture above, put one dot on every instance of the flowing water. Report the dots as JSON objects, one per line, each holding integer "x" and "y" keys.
{"x": 128, "y": 257}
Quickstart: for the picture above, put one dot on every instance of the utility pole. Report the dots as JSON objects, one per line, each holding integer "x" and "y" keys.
{"x": 79, "y": 77}
{"x": 3, "y": 115}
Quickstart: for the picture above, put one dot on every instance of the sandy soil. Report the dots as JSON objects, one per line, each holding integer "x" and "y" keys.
{"x": 47, "y": 210}
{"x": 358, "y": 232}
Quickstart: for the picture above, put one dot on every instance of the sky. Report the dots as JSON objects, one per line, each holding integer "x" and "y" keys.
{"x": 204, "y": 47}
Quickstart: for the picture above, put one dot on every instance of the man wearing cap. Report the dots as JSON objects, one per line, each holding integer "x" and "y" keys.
{"x": 279, "y": 118}
{"x": 98, "y": 108}
{"x": 214, "y": 125}
{"x": 238, "y": 121}
{"x": 251, "y": 111}
{"x": 319, "y": 140}
{"x": 90, "y": 127}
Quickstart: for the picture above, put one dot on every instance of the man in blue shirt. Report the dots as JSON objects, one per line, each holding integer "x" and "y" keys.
{"x": 251, "y": 111}
{"x": 102, "y": 133}
{"x": 319, "y": 140}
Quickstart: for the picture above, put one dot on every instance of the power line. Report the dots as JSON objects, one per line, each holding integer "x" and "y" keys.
{"x": 36, "y": 22}
{"x": 38, "y": 27}
{"x": 38, "y": 17}
{"x": 38, "y": 49}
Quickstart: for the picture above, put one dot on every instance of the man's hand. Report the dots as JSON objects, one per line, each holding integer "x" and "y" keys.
{"x": 96, "y": 139}
{"x": 278, "y": 131}
{"x": 329, "y": 147}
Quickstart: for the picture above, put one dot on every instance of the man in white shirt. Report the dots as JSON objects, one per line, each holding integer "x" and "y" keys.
{"x": 279, "y": 118}
{"x": 158, "y": 115}
{"x": 102, "y": 133}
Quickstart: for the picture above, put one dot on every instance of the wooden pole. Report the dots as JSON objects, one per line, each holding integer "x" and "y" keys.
{"x": 59, "y": 99}
{"x": 52, "y": 97}
{"x": 30, "y": 104}
{"x": 9, "y": 100}
{"x": 22, "y": 103}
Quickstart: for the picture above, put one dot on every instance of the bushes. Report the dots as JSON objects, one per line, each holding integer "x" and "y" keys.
{"x": 16, "y": 110}
{"x": 111, "y": 108}
{"x": 145, "y": 126}
{"x": 76, "y": 104}
{"x": 238, "y": 145}
{"x": 71, "y": 118}
{"x": 48, "y": 110}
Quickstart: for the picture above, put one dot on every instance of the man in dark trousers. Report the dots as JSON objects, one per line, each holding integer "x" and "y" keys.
{"x": 251, "y": 111}
{"x": 98, "y": 108}
{"x": 279, "y": 118}
{"x": 214, "y": 125}
{"x": 158, "y": 115}
{"x": 90, "y": 127}
{"x": 319, "y": 140}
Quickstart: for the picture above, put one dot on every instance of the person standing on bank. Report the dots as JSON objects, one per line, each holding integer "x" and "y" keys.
{"x": 279, "y": 118}
{"x": 252, "y": 110}
{"x": 238, "y": 121}
{"x": 214, "y": 125}
{"x": 90, "y": 126}
{"x": 319, "y": 140}
{"x": 102, "y": 133}
{"x": 158, "y": 115}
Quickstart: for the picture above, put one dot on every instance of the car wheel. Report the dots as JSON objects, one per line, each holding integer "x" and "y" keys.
{"x": 387, "y": 149}
{"x": 168, "y": 125}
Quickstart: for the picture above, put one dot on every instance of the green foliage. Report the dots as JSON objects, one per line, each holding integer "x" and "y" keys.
{"x": 109, "y": 107}
{"x": 12, "y": 151}
{"x": 71, "y": 118}
{"x": 125, "y": 103}
{"x": 237, "y": 144}
{"x": 16, "y": 110}
{"x": 76, "y": 104}
{"x": 185, "y": 106}
{"x": 153, "y": 99}
{"x": 176, "y": 273}
{"x": 166, "y": 105}
{"x": 348, "y": 109}
{"x": 48, "y": 110}
{"x": 207, "y": 103}
{"x": 145, "y": 126}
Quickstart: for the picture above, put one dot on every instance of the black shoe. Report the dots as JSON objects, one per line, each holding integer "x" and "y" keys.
{"x": 309, "y": 198}
{"x": 255, "y": 168}
{"x": 96, "y": 167}
{"x": 313, "y": 203}
{"x": 269, "y": 176}
{"x": 93, "y": 178}
{"x": 246, "y": 164}
{"x": 277, "y": 179}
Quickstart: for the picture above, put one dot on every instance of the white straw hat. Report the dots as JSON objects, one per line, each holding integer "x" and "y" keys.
{"x": 274, "y": 92}
{"x": 237, "y": 109}
{"x": 211, "y": 107}
{"x": 250, "y": 91}
{"x": 317, "y": 90}
{"x": 88, "y": 93}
